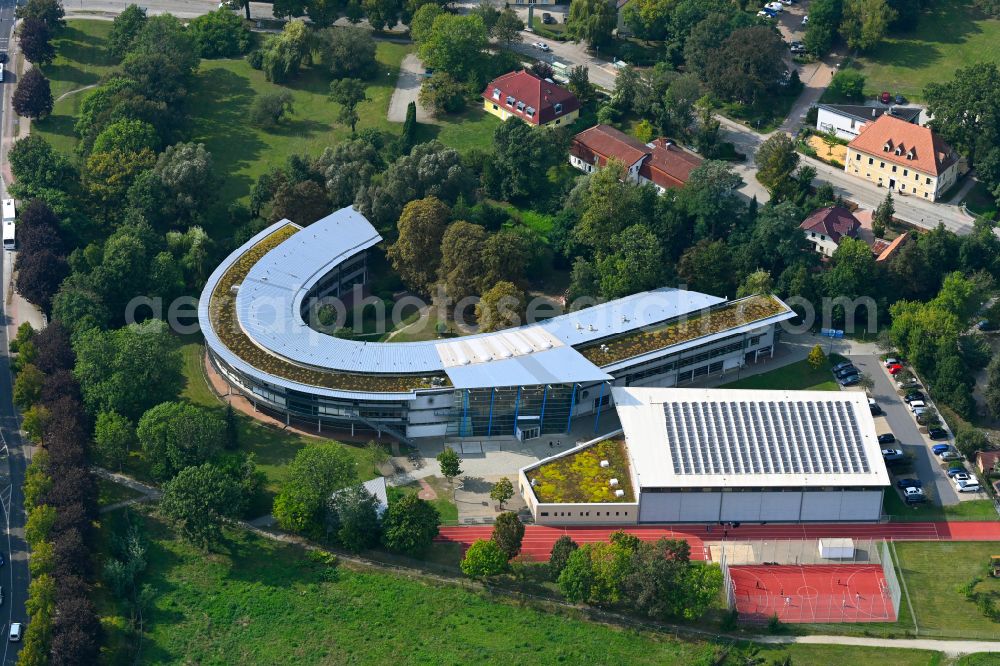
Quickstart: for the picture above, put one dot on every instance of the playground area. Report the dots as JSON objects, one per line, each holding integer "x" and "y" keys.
{"x": 812, "y": 593}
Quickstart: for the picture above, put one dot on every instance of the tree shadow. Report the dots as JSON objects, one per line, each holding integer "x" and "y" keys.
{"x": 909, "y": 53}
{"x": 71, "y": 74}
{"x": 58, "y": 124}
{"x": 299, "y": 127}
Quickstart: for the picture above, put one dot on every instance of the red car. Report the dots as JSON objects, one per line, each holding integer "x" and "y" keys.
{"x": 885, "y": 98}
{"x": 896, "y": 368}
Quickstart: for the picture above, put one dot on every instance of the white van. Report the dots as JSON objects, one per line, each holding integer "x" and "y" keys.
{"x": 15, "y": 632}
{"x": 917, "y": 404}
{"x": 9, "y": 230}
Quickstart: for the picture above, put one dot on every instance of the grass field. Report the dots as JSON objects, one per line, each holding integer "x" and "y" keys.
{"x": 223, "y": 91}
{"x": 950, "y": 35}
{"x": 258, "y": 601}
{"x": 798, "y": 376}
{"x": 444, "y": 504}
{"x": 273, "y": 448}
{"x": 894, "y": 506}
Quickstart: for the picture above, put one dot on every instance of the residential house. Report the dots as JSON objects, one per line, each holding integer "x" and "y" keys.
{"x": 906, "y": 158}
{"x": 827, "y": 226}
{"x": 659, "y": 162}
{"x": 536, "y": 101}
{"x": 986, "y": 461}
{"x": 848, "y": 120}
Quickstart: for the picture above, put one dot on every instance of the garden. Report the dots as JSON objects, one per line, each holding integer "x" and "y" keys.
{"x": 580, "y": 477}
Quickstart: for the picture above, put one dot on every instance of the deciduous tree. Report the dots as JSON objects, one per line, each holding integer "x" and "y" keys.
{"x": 353, "y": 518}
{"x": 502, "y": 306}
{"x": 416, "y": 254}
{"x": 114, "y": 436}
{"x": 347, "y": 52}
{"x": 176, "y": 435}
{"x": 348, "y": 93}
{"x": 33, "y": 96}
{"x": 34, "y": 38}
{"x": 865, "y": 22}
{"x": 747, "y": 64}
{"x": 197, "y": 500}
{"x": 450, "y": 462}
{"x": 456, "y": 45}
{"x": 484, "y": 559}
{"x": 461, "y": 249}
{"x": 124, "y": 30}
{"x": 409, "y": 525}
{"x": 507, "y": 28}
{"x": 502, "y": 491}
{"x": 313, "y": 475}
{"x": 508, "y": 531}
{"x": 591, "y": 21}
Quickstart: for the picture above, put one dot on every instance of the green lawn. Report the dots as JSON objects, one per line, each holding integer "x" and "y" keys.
{"x": 109, "y": 492}
{"x": 798, "y": 376}
{"x": 933, "y": 571}
{"x": 893, "y": 505}
{"x": 258, "y": 601}
{"x": 979, "y": 201}
{"x": 444, "y": 503}
{"x": 951, "y": 34}
{"x": 274, "y": 448}
{"x": 473, "y": 128}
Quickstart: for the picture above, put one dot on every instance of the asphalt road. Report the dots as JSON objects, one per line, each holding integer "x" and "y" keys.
{"x": 908, "y": 438}
{"x": 14, "y": 574}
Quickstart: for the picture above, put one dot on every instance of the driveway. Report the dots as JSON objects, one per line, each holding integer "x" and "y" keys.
{"x": 411, "y": 75}
{"x": 908, "y": 437}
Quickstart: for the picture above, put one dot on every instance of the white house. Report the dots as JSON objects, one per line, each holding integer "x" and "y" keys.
{"x": 847, "y": 120}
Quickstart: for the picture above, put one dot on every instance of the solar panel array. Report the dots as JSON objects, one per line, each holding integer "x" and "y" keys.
{"x": 758, "y": 437}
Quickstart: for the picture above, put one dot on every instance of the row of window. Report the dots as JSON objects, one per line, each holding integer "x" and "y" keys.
{"x": 672, "y": 365}
{"x": 563, "y": 514}
{"x": 906, "y": 172}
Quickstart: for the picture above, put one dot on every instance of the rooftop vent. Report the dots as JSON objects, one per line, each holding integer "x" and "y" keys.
{"x": 579, "y": 326}
{"x": 605, "y": 463}
{"x": 612, "y": 482}
{"x": 591, "y": 327}
{"x": 235, "y": 289}
{"x": 624, "y": 319}
{"x": 619, "y": 493}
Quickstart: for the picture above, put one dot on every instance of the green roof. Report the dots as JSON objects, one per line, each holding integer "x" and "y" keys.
{"x": 578, "y": 478}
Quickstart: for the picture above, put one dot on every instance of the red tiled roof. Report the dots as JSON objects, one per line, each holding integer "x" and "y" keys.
{"x": 530, "y": 92}
{"x": 890, "y": 249}
{"x": 986, "y": 459}
{"x": 887, "y": 135}
{"x": 835, "y": 222}
{"x": 606, "y": 142}
{"x": 668, "y": 165}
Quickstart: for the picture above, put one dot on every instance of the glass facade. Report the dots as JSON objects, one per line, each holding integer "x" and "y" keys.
{"x": 497, "y": 411}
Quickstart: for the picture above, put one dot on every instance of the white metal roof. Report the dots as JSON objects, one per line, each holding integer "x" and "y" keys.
{"x": 685, "y": 438}
{"x": 269, "y": 304}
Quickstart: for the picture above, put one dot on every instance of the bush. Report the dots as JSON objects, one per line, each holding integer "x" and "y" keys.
{"x": 256, "y": 59}
{"x": 268, "y": 109}
{"x": 443, "y": 94}
{"x": 847, "y": 85}
{"x": 220, "y": 34}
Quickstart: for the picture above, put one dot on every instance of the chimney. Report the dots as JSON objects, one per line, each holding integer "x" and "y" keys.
{"x": 873, "y": 112}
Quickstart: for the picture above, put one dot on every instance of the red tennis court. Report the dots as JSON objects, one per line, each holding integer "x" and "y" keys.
{"x": 812, "y": 593}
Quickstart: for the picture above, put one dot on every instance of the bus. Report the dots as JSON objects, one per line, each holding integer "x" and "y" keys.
{"x": 9, "y": 238}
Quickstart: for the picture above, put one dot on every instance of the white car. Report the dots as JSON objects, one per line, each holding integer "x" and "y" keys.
{"x": 917, "y": 405}
{"x": 774, "y": 6}
{"x": 805, "y": 20}
{"x": 966, "y": 484}
{"x": 15, "y": 632}
{"x": 890, "y": 361}
{"x": 764, "y": 14}
{"x": 542, "y": 46}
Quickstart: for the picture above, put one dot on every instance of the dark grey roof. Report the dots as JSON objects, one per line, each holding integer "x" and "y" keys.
{"x": 861, "y": 112}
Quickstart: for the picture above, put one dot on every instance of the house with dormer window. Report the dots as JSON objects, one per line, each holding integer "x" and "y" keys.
{"x": 908, "y": 159}
{"x": 535, "y": 101}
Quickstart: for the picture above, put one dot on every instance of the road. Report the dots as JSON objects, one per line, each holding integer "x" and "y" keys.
{"x": 902, "y": 425}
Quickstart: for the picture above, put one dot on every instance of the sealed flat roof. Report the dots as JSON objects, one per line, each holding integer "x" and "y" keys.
{"x": 736, "y": 438}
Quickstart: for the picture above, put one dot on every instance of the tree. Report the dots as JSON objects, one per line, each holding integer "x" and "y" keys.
{"x": 882, "y": 217}
{"x": 816, "y": 357}
{"x": 220, "y": 34}
{"x": 127, "y": 136}
{"x": 591, "y": 21}
{"x": 758, "y": 282}
{"x": 520, "y": 153}
{"x": 707, "y": 267}
{"x": 108, "y": 176}
{"x": 508, "y": 531}
{"x": 39, "y": 275}
{"x": 610, "y": 204}
{"x": 866, "y": 382}
{"x": 124, "y": 30}
{"x": 633, "y": 264}
{"x": 49, "y": 11}
{"x": 502, "y": 491}
{"x": 963, "y": 110}
{"x": 353, "y": 517}
{"x": 282, "y": 55}
{"x": 409, "y": 525}
{"x": 824, "y": 20}
{"x": 559, "y": 557}
{"x": 187, "y": 172}
{"x": 423, "y": 21}
{"x": 648, "y": 19}
{"x": 409, "y": 135}
{"x": 442, "y": 93}
{"x": 710, "y": 196}
{"x": 376, "y": 454}
{"x": 268, "y": 109}
{"x": 382, "y": 13}
{"x": 176, "y": 435}
{"x": 129, "y": 369}
{"x": 747, "y": 64}
{"x": 852, "y": 269}
{"x": 347, "y": 52}
{"x": 27, "y": 386}
{"x": 33, "y": 96}
{"x": 416, "y": 254}
{"x": 507, "y": 28}
{"x": 970, "y": 440}
{"x": 313, "y": 475}
{"x": 776, "y": 161}
{"x": 507, "y": 255}
{"x": 33, "y": 37}
{"x": 451, "y": 463}
{"x": 302, "y": 203}
{"x": 38, "y": 168}
{"x": 348, "y": 93}
{"x": 865, "y": 22}
{"x": 456, "y": 45}
{"x": 198, "y": 499}
{"x": 114, "y": 436}
{"x": 461, "y": 249}
{"x": 502, "y": 306}
{"x": 847, "y": 85}
{"x": 578, "y": 83}
{"x": 484, "y": 559}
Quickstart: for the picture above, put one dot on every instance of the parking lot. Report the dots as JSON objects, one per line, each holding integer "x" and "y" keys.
{"x": 898, "y": 420}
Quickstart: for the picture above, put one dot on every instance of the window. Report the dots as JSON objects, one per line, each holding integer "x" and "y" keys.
{"x": 510, "y": 100}
{"x": 558, "y": 120}
{"x": 906, "y": 172}
{"x": 881, "y": 165}
{"x": 928, "y": 181}
{"x": 925, "y": 195}
{"x": 871, "y": 160}
{"x": 496, "y": 93}
{"x": 496, "y": 108}
{"x": 530, "y": 111}
{"x": 520, "y": 106}
{"x": 557, "y": 108}
{"x": 902, "y": 188}
{"x": 545, "y": 513}
{"x": 894, "y": 168}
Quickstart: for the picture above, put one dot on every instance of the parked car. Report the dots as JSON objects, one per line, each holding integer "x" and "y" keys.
{"x": 542, "y": 46}
{"x": 788, "y": 3}
{"x": 847, "y": 370}
{"x": 3, "y": 57}
{"x": 15, "y": 632}
{"x": 841, "y": 365}
{"x": 890, "y": 361}
{"x": 797, "y": 49}
{"x": 914, "y": 495}
{"x": 950, "y": 455}
{"x": 887, "y": 438}
{"x": 895, "y": 369}
{"x": 909, "y": 383}
{"x": 902, "y": 484}
{"x": 912, "y": 396}
{"x": 876, "y": 409}
{"x": 893, "y": 455}
{"x": 885, "y": 97}
{"x": 774, "y": 6}
{"x": 917, "y": 404}
{"x": 900, "y": 99}
{"x": 938, "y": 449}
{"x": 766, "y": 13}
{"x": 548, "y": 19}
{"x": 805, "y": 20}
{"x": 937, "y": 433}
{"x": 850, "y": 380}
{"x": 956, "y": 471}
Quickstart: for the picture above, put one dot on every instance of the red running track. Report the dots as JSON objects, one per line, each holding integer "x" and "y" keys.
{"x": 538, "y": 539}
{"x": 812, "y": 593}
